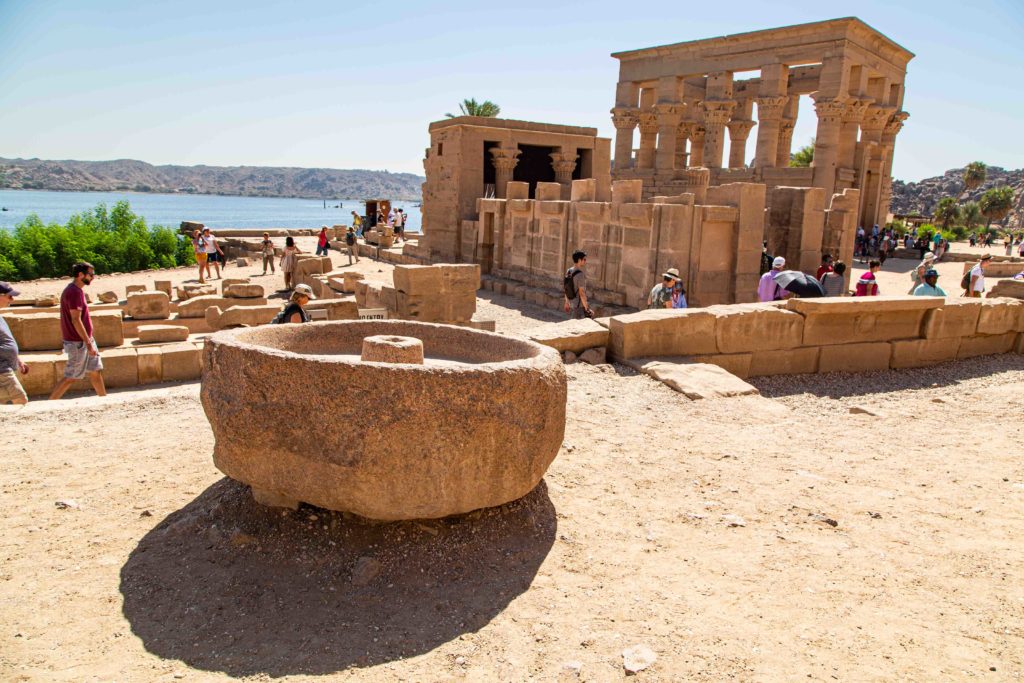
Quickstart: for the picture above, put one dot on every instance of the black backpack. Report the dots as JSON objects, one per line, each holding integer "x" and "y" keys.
{"x": 568, "y": 283}
{"x": 350, "y": 239}
{"x": 965, "y": 282}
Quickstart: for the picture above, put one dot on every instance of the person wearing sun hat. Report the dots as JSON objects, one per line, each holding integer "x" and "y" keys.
{"x": 10, "y": 388}
{"x": 293, "y": 311}
{"x": 930, "y": 285}
{"x": 768, "y": 289}
{"x": 661, "y": 293}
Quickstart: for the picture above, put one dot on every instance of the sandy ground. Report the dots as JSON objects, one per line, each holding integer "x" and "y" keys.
{"x": 760, "y": 538}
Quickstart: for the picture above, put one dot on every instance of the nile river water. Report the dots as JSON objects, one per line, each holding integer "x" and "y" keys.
{"x": 171, "y": 209}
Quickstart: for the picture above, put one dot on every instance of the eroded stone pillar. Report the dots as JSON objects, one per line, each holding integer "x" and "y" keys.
{"x": 870, "y": 160}
{"x": 668, "y": 117}
{"x": 848, "y": 129}
{"x": 769, "y": 125}
{"x": 892, "y": 127}
{"x": 648, "y": 139}
{"x": 504, "y": 160}
{"x": 564, "y": 164}
{"x": 625, "y": 120}
{"x": 682, "y": 137}
{"x": 826, "y": 142}
{"x": 697, "y": 135}
{"x": 739, "y": 131}
{"x": 716, "y": 114}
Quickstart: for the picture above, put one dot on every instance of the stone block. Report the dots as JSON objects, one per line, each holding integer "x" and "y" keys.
{"x": 797, "y": 361}
{"x": 120, "y": 367}
{"x": 571, "y": 335}
{"x": 698, "y": 380}
{"x": 462, "y": 277}
{"x": 667, "y": 332}
{"x": 755, "y": 327}
{"x": 41, "y": 331}
{"x": 627, "y": 191}
{"x": 548, "y": 192}
{"x": 337, "y": 309}
{"x": 196, "y": 306}
{"x": 107, "y": 328}
{"x": 486, "y": 324}
{"x": 734, "y": 363}
{"x": 242, "y": 262}
{"x": 584, "y": 190}
{"x": 986, "y": 345}
{"x": 108, "y": 297}
{"x": 148, "y": 306}
{"x": 955, "y": 318}
{"x": 517, "y": 190}
{"x": 999, "y": 316}
{"x": 855, "y": 357}
{"x": 244, "y": 291}
{"x": 919, "y": 353}
{"x": 41, "y": 376}
{"x": 194, "y": 290}
{"x": 150, "y": 334}
{"x": 131, "y": 289}
{"x": 418, "y": 279}
{"x": 150, "y": 365}
{"x": 229, "y": 281}
{"x": 181, "y": 362}
{"x": 237, "y": 316}
{"x": 163, "y": 286}
{"x": 862, "y": 319}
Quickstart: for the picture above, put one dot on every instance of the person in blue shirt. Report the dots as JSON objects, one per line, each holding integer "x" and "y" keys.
{"x": 930, "y": 286}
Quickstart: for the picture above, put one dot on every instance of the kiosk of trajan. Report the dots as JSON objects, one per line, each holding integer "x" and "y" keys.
{"x": 519, "y": 197}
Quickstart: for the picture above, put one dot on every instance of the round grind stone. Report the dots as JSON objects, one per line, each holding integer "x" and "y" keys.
{"x": 475, "y": 425}
{"x": 389, "y": 348}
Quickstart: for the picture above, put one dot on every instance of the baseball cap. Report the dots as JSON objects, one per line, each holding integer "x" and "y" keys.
{"x": 305, "y": 289}
{"x": 931, "y": 272}
{"x": 5, "y": 288}
{"x": 778, "y": 262}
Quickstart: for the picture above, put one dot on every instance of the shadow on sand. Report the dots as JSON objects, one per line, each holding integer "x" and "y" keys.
{"x": 227, "y": 585}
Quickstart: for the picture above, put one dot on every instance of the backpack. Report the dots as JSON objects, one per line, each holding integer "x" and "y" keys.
{"x": 568, "y": 284}
{"x": 965, "y": 282}
{"x": 350, "y": 238}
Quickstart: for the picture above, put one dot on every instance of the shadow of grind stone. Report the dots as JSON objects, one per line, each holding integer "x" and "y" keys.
{"x": 225, "y": 584}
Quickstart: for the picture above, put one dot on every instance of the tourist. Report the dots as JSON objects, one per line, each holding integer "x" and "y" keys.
{"x": 825, "y": 267}
{"x": 199, "y": 247}
{"x": 832, "y": 281}
{"x": 917, "y": 274}
{"x": 930, "y": 287}
{"x": 268, "y": 253}
{"x": 936, "y": 240}
{"x": 11, "y": 390}
{"x": 380, "y": 216}
{"x": 1008, "y": 243}
{"x": 977, "y": 277}
{"x": 766, "y": 258}
{"x": 293, "y": 311}
{"x": 399, "y": 224}
{"x": 868, "y": 285}
{"x": 322, "y": 243}
{"x": 768, "y": 289}
{"x": 574, "y": 286}
{"x": 214, "y": 254}
{"x": 679, "y": 295}
{"x": 350, "y": 245}
{"x": 1020, "y": 251}
{"x": 661, "y": 293}
{"x": 289, "y": 257}
{"x": 883, "y": 250}
{"x": 357, "y": 223}
{"x": 76, "y": 330}
{"x": 973, "y": 239}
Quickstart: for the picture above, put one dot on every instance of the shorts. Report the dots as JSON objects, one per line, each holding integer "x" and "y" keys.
{"x": 10, "y": 388}
{"x": 201, "y": 257}
{"x": 80, "y": 361}
{"x": 215, "y": 258}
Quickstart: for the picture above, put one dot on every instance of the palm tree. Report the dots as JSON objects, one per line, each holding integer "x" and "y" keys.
{"x": 974, "y": 176}
{"x": 803, "y": 157}
{"x": 947, "y": 211}
{"x": 970, "y": 214}
{"x": 996, "y": 203}
{"x": 471, "y": 107}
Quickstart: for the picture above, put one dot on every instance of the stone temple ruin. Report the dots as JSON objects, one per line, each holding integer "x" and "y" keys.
{"x": 493, "y": 198}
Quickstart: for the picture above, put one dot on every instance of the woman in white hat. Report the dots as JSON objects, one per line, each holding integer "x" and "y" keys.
{"x": 661, "y": 293}
{"x": 294, "y": 312}
{"x": 917, "y": 274}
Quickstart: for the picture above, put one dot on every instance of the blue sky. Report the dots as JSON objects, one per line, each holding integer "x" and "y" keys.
{"x": 354, "y": 84}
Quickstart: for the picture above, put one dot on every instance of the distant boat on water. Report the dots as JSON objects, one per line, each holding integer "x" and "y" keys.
{"x": 3, "y": 208}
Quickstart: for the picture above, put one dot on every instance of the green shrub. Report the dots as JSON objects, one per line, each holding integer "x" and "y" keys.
{"x": 113, "y": 241}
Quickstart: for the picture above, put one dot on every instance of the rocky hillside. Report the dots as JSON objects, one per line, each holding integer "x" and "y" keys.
{"x": 251, "y": 181}
{"x": 923, "y": 196}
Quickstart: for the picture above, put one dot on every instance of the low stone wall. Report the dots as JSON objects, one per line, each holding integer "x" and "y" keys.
{"x": 122, "y": 367}
{"x": 824, "y": 335}
{"x": 914, "y": 254}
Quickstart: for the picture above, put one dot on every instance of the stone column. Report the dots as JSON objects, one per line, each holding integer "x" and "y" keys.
{"x": 869, "y": 160}
{"x": 769, "y": 120}
{"x": 504, "y": 160}
{"x": 786, "y": 126}
{"x": 682, "y": 137}
{"x": 648, "y": 139}
{"x": 564, "y": 164}
{"x": 625, "y": 120}
{"x": 892, "y": 127}
{"x": 697, "y": 134}
{"x": 739, "y": 131}
{"x": 848, "y": 130}
{"x": 826, "y": 142}
{"x": 668, "y": 117}
{"x": 716, "y": 114}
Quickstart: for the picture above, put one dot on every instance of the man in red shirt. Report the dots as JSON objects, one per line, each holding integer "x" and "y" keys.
{"x": 76, "y": 329}
{"x": 825, "y": 267}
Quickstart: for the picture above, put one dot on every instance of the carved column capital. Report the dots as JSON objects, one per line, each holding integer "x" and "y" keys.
{"x": 875, "y": 117}
{"x": 856, "y": 110}
{"x": 830, "y": 110}
{"x": 648, "y": 123}
{"x": 740, "y": 130}
{"x": 771, "y": 108}
{"x": 625, "y": 118}
{"x": 718, "y": 112}
{"x": 504, "y": 158}
{"x": 564, "y": 164}
{"x": 787, "y": 126}
{"x": 895, "y": 123}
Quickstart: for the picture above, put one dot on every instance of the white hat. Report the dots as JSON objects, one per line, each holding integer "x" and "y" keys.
{"x": 779, "y": 262}
{"x": 305, "y": 290}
